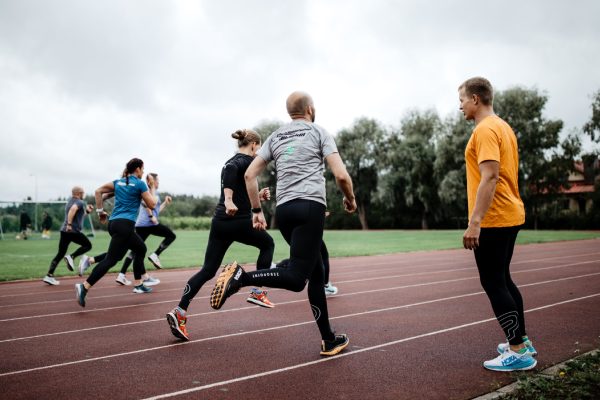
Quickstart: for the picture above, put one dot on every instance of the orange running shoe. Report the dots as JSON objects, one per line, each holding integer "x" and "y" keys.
{"x": 259, "y": 297}
{"x": 177, "y": 323}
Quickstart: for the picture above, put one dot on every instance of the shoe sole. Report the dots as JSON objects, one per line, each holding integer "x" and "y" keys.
{"x": 123, "y": 284}
{"x": 78, "y": 296}
{"x": 259, "y": 303}
{"x": 69, "y": 266}
{"x": 142, "y": 291}
{"x": 157, "y": 266}
{"x": 172, "y": 320}
{"x": 500, "y": 369}
{"x": 151, "y": 283}
{"x": 336, "y": 349}
{"x": 51, "y": 284}
{"x": 217, "y": 296}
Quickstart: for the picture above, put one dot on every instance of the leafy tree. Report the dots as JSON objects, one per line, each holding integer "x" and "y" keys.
{"x": 412, "y": 159}
{"x": 592, "y": 127}
{"x": 362, "y": 147}
{"x": 545, "y": 161}
{"x": 449, "y": 168}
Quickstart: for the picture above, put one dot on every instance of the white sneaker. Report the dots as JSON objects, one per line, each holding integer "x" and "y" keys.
{"x": 155, "y": 260}
{"x": 122, "y": 280}
{"x": 151, "y": 281}
{"x": 69, "y": 260}
{"x": 50, "y": 280}
{"x": 502, "y": 347}
{"x": 84, "y": 264}
{"x": 511, "y": 361}
{"x": 330, "y": 289}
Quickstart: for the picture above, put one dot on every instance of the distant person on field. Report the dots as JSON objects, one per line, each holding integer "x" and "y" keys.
{"x": 46, "y": 225}
{"x": 496, "y": 213}
{"x": 25, "y": 225}
{"x": 70, "y": 231}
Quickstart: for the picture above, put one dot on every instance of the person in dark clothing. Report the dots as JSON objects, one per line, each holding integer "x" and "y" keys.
{"x": 232, "y": 222}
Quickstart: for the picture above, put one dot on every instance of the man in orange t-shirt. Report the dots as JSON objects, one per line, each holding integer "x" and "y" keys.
{"x": 496, "y": 213}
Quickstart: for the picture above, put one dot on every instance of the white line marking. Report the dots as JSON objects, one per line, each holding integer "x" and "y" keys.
{"x": 349, "y": 353}
{"x": 270, "y": 329}
{"x": 242, "y": 294}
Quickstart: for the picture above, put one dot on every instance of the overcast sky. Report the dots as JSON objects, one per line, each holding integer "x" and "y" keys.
{"x": 87, "y": 85}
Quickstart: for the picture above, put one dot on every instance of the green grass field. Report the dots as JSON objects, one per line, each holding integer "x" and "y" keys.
{"x": 28, "y": 259}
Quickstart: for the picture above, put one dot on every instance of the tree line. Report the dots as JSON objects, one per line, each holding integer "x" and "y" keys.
{"x": 413, "y": 175}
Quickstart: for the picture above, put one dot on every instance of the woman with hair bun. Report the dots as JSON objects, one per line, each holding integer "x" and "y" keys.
{"x": 232, "y": 222}
{"x": 129, "y": 191}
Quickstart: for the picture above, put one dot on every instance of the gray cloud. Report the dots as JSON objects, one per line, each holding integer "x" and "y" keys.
{"x": 84, "y": 86}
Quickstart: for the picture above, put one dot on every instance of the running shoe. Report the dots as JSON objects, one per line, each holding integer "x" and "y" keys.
{"x": 69, "y": 260}
{"x": 177, "y": 323}
{"x": 80, "y": 293}
{"x": 330, "y": 289}
{"x": 259, "y": 297}
{"x": 84, "y": 264}
{"x": 141, "y": 289}
{"x": 122, "y": 280}
{"x": 151, "y": 281}
{"x": 50, "y": 280}
{"x": 332, "y": 347}
{"x": 502, "y": 347}
{"x": 511, "y": 361}
{"x": 228, "y": 283}
{"x": 155, "y": 260}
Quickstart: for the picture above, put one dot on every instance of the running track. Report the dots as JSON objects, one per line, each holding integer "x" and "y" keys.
{"x": 418, "y": 323}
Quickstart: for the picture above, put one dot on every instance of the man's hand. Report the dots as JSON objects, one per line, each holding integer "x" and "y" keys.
{"x": 471, "y": 236}
{"x": 168, "y": 200}
{"x": 264, "y": 194}
{"x": 89, "y": 208}
{"x": 349, "y": 205}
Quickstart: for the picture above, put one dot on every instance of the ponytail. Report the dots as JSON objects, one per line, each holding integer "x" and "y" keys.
{"x": 131, "y": 166}
{"x": 245, "y": 137}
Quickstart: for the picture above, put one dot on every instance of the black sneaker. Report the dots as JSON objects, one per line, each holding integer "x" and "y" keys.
{"x": 80, "y": 293}
{"x": 227, "y": 284}
{"x": 332, "y": 347}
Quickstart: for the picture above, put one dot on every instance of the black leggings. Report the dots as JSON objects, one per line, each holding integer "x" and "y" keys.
{"x": 301, "y": 224}
{"x": 159, "y": 230}
{"x": 324, "y": 257}
{"x": 223, "y": 232}
{"x": 122, "y": 238}
{"x": 65, "y": 239}
{"x": 493, "y": 257}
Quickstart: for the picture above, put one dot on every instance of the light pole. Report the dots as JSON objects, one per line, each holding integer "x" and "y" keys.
{"x": 36, "y": 204}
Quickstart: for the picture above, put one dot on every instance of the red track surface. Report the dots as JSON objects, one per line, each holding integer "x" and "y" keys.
{"x": 419, "y": 327}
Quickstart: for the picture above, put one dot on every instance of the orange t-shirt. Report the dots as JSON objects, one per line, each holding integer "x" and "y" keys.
{"x": 493, "y": 139}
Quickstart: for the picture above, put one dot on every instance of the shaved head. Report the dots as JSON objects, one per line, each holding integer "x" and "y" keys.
{"x": 76, "y": 191}
{"x": 298, "y": 103}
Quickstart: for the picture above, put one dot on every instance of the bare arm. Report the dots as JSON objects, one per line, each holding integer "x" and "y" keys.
{"x": 230, "y": 207}
{"x": 71, "y": 215}
{"x": 149, "y": 200}
{"x": 251, "y": 176}
{"x": 489, "y": 171}
{"x": 343, "y": 180}
{"x": 99, "y": 194}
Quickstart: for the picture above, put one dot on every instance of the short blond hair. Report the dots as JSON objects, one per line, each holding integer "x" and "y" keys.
{"x": 481, "y": 87}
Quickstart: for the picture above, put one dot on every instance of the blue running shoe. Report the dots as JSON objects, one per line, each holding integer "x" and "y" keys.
{"x": 142, "y": 289}
{"x": 80, "y": 293}
{"x": 502, "y": 347}
{"x": 511, "y": 361}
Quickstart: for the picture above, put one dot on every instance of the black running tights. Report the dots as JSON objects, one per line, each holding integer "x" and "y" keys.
{"x": 122, "y": 238}
{"x": 63, "y": 244}
{"x": 493, "y": 258}
{"x": 159, "y": 230}
{"x": 223, "y": 232}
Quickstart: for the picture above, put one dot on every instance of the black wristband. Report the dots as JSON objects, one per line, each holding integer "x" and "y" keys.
{"x": 256, "y": 210}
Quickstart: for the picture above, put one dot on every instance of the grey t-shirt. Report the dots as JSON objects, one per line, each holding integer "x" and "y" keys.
{"x": 299, "y": 149}
{"x": 77, "y": 222}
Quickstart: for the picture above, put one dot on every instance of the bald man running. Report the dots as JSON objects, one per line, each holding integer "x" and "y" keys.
{"x": 71, "y": 232}
{"x": 299, "y": 150}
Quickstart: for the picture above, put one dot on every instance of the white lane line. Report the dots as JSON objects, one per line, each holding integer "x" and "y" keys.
{"x": 273, "y": 290}
{"x": 268, "y": 329}
{"x": 395, "y": 264}
{"x": 279, "y": 304}
{"x": 349, "y": 353}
